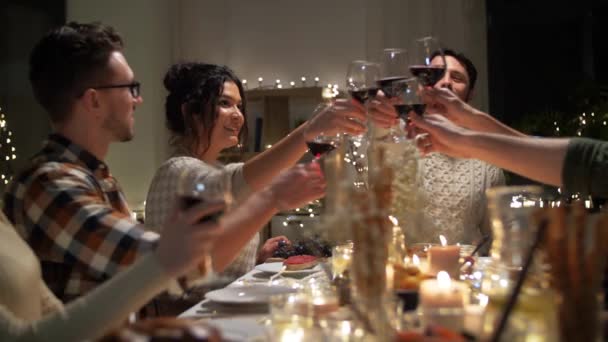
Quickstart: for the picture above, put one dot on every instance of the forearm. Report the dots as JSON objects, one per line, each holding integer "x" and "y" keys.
{"x": 261, "y": 169}
{"x": 483, "y": 122}
{"x": 91, "y": 316}
{"x": 241, "y": 224}
{"x": 540, "y": 159}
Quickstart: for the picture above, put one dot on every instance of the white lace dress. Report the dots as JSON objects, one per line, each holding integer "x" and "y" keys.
{"x": 453, "y": 201}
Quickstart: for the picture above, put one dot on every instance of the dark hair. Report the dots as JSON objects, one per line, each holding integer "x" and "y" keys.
{"x": 67, "y": 60}
{"x": 465, "y": 61}
{"x": 198, "y": 86}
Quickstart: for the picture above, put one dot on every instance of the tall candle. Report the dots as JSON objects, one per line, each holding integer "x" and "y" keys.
{"x": 444, "y": 257}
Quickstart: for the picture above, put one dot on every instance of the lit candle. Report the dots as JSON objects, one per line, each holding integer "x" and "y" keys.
{"x": 442, "y": 302}
{"x": 445, "y": 258}
{"x": 303, "y": 81}
{"x": 293, "y": 84}
{"x": 244, "y": 82}
{"x": 316, "y": 81}
{"x": 260, "y": 80}
{"x": 442, "y": 292}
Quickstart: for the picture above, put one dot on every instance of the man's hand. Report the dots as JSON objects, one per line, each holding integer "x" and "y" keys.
{"x": 443, "y": 135}
{"x": 185, "y": 241}
{"x": 443, "y": 101}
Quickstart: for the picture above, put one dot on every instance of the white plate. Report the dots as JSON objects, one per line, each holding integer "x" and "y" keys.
{"x": 276, "y": 267}
{"x": 250, "y": 294}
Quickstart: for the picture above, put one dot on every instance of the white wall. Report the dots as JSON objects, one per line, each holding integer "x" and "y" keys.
{"x": 146, "y": 28}
{"x": 268, "y": 38}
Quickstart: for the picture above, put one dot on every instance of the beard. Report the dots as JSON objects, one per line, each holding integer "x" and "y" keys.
{"x": 121, "y": 130}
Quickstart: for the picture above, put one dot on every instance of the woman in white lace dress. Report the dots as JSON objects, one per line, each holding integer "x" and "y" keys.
{"x": 454, "y": 202}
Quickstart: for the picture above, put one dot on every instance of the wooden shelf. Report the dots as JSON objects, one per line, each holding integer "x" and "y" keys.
{"x": 275, "y": 107}
{"x": 304, "y": 92}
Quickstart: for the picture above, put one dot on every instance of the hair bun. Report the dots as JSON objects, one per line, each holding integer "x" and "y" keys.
{"x": 178, "y": 77}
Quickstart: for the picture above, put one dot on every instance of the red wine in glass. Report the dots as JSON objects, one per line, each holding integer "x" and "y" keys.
{"x": 428, "y": 75}
{"x": 404, "y": 109}
{"x": 391, "y": 85}
{"x": 318, "y": 148}
{"x": 362, "y": 95}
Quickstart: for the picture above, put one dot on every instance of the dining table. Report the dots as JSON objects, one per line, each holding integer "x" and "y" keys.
{"x": 247, "y": 318}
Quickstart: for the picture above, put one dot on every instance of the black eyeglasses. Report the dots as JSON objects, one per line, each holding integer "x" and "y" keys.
{"x": 134, "y": 87}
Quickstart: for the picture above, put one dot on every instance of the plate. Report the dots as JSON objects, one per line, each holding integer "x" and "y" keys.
{"x": 276, "y": 267}
{"x": 250, "y": 294}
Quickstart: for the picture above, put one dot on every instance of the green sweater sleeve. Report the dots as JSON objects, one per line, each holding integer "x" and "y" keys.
{"x": 585, "y": 168}
{"x": 94, "y": 314}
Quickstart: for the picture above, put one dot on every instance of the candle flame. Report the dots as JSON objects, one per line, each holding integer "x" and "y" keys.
{"x": 444, "y": 241}
{"x": 345, "y": 328}
{"x": 394, "y": 220}
{"x": 415, "y": 260}
{"x": 443, "y": 280}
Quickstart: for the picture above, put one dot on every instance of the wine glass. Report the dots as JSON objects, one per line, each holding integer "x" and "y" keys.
{"x": 361, "y": 79}
{"x": 395, "y": 63}
{"x": 214, "y": 187}
{"x": 322, "y": 143}
{"x": 409, "y": 101}
{"x": 427, "y": 61}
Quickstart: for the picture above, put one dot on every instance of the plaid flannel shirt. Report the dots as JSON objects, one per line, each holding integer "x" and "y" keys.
{"x": 73, "y": 214}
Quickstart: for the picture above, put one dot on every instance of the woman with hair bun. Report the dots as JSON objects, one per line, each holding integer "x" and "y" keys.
{"x": 205, "y": 113}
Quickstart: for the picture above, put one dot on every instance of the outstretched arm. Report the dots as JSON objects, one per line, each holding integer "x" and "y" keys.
{"x": 540, "y": 159}
{"x": 291, "y": 189}
{"x": 337, "y": 118}
{"x": 461, "y": 113}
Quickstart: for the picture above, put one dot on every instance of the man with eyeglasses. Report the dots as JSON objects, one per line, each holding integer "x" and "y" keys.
{"x": 65, "y": 203}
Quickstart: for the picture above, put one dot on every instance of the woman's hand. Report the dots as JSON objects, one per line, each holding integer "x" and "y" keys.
{"x": 341, "y": 116}
{"x": 270, "y": 246}
{"x": 297, "y": 186}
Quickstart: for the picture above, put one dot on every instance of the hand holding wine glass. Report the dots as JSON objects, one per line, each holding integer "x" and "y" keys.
{"x": 322, "y": 132}
{"x": 214, "y": 189}
{"x": 188, "y": 241}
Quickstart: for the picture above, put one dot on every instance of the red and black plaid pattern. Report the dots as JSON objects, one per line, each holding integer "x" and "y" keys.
{"x": 73, "y": 214}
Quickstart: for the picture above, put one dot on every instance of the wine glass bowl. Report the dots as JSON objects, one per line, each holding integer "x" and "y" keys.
{"x": 395, "y": 63}
{"x": 408, "y": 99}
{"x": 424, "y": 51}
{"x": 361, "y": 79}
{"x": 322, "y": 144}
